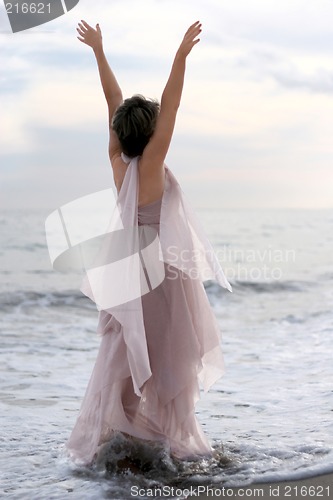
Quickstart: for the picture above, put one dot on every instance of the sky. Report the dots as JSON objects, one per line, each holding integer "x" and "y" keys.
{"x": 254, "y": 129}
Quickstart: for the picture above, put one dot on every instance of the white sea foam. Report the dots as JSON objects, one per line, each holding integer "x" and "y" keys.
{"x": 269, "y": 417}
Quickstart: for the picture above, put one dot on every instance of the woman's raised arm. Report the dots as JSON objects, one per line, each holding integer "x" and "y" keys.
{"x": 113, "y": 95}
{"x": 157, "y": 148}
{"x": 93, "y": 38}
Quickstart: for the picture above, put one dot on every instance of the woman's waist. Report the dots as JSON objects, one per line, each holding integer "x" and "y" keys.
{"x": 145, "y": 221}
{"x": 150, "y": 213}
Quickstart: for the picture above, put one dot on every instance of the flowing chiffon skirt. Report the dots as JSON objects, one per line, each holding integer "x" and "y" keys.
{"x": 182, "y": 336}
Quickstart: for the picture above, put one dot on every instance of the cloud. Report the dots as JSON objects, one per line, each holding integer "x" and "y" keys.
{"x": 288, "y": 71}
{"x": 70, "y": 163}
{"x": 321, "y": 81}
{"x": 298, "y": 26}
{"x": 256, "y": 113}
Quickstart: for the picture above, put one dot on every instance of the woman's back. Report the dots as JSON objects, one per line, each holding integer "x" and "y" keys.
{"x": 151, "y": 183}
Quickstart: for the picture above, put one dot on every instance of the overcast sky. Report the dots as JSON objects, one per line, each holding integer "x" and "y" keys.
{"x": 256, "y": 120}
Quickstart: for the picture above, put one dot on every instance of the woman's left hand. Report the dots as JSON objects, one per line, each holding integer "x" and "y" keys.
{"x": 89, "y": 35}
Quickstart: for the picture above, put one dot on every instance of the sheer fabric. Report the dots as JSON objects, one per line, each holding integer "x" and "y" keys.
{"x": 159, "y": 334}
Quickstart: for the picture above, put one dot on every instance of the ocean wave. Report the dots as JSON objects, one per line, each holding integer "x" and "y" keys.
{"x": 127, "y": 461}
{"x": 74, "y": 298}
{"x": 294, "y": 319}
{"x": 274, "y": 286}
{"x": 31, "y": 298}
{"x": 124, "y": 457}
{"x": 27, "y": 247}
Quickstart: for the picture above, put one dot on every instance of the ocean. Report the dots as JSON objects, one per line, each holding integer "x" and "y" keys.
{"x": 270, "y": 417}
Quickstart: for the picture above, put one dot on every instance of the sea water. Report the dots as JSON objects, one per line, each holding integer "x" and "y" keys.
{"x": 270, "y": 417}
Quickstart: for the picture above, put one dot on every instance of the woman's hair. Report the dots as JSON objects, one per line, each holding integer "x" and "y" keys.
{"x": 134, "y": 123}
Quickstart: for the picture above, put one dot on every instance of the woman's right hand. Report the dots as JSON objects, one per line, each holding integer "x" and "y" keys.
{"x": 189, "y": 39}
{"x": 89, "y": 35}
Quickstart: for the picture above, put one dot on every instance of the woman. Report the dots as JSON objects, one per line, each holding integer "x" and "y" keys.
{"x": 155, "y": 344}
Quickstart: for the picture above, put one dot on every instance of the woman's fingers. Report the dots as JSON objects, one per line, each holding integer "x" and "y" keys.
{"x": 82, "y": 33}
{"x": 194, "y": 24}
{"x": 193, "y": 31}
{"x": 82, "y": 28}
{"x": 194, "y": 27}
{"x": 85, "y": 24}
{"x": 89, "y": 35}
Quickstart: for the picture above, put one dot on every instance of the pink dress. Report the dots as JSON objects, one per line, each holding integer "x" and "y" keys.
{"x": 150, "y": 391}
